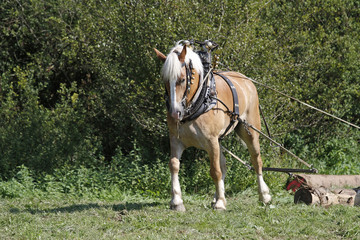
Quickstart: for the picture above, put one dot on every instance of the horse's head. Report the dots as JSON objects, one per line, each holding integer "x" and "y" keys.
{"x": 182, "y": 73}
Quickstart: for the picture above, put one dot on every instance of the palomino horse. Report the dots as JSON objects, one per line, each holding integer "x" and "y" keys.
{"x": 204, "y": 131}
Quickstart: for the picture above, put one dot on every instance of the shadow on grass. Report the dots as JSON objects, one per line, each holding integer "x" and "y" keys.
{"x": 86, "y": 207}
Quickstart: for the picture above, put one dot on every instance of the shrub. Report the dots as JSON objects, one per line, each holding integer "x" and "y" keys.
{"x": 79, "y": 85}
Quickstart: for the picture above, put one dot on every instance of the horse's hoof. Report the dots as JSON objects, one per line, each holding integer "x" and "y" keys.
{"x": 265, "y": 198}
{"x": 220, "y": 208}
{"x": 219, "y": 205}
{"x": 178, "y": 208}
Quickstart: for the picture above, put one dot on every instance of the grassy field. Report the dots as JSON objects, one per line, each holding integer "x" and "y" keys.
{"x": 134, "y": 217}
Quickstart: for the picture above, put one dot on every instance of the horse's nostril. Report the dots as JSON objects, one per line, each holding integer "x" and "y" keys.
{"x": 176, "y": 115}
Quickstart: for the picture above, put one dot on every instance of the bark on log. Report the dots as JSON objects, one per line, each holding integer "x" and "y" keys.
{"x": 325, "y": 197}
{"x": 329, "y": 181}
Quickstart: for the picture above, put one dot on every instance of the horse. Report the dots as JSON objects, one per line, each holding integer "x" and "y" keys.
{"x": 183, "y": 74}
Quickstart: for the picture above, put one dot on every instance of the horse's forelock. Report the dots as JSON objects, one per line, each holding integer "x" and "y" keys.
{"x": 171, "y": 69}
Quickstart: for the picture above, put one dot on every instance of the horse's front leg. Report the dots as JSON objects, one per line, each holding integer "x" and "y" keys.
{"x": 217, "y": 172}
{"x": 177, "y": 149}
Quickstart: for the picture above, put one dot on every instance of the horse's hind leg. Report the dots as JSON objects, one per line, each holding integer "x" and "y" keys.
{"x": 251, "y": 138}
{"x": 217, "y": 172}
{"x": 174, "y": 165}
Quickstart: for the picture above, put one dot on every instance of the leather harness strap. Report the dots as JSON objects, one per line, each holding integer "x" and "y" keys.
{"x": 234, "y": 115}
{"x": 204, "y": 102}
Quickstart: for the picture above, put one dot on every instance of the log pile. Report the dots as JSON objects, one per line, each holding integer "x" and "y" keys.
{"x": 326, "y": 190}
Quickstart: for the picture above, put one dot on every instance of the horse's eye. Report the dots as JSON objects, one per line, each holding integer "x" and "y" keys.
{"x": 181, "y": 81}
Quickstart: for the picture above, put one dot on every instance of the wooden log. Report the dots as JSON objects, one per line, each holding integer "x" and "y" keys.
{"x": 326, "y": 197}
{"x": 329, "y": 181}
{"x": 305, "y": 195}
{"x": 357, "y": 197}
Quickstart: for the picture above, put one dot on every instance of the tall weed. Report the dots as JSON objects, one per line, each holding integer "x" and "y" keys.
{"x": 22, "y": 184}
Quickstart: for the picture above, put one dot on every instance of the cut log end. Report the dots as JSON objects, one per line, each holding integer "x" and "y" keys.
{"x": 304, "y": 196}
{"x": 324, "y": 197}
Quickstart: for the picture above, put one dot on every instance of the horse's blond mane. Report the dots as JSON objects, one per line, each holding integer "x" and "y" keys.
{"x": 171, "y": 69}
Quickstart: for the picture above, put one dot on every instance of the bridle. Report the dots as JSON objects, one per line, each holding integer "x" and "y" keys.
{"x": 204, "y": 97}
{"x": 189, "y": 77}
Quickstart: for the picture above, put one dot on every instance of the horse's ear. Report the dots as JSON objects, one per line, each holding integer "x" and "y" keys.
{"x": 182, "y": 54}
{"x": 160, "y": 55}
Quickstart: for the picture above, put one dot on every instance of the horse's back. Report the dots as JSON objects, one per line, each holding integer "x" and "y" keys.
{"x": 245, "y": 89}
{"x": 241, "y": 82}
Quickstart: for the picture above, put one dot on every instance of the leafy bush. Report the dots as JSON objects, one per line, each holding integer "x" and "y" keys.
{"x": 22, "y": 184}
{"x": 80, "y": 89}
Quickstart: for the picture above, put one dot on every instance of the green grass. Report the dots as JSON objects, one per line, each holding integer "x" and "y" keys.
{"x": 136, "y": 217}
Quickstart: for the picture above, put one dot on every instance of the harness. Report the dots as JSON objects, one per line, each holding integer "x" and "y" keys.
{"x": 206, "y": 96}
{"x": 234, "y": 115}
{"x": 204, "y": 99}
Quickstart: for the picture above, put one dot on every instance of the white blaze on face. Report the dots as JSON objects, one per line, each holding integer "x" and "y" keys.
{"x": 171, "y": 71}
{"x": 174, "y": 106}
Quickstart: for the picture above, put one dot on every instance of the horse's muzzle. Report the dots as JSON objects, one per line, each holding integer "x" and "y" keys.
{"x": 177, "y": 112}
{"x": 176, "y": 115}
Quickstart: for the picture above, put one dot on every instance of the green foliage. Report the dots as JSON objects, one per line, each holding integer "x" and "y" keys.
{"x": 340, "y": 156}
{"x": 151, "y": 179}
{"x": 21, "y": 185}
{"x": 81, "y": 100}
